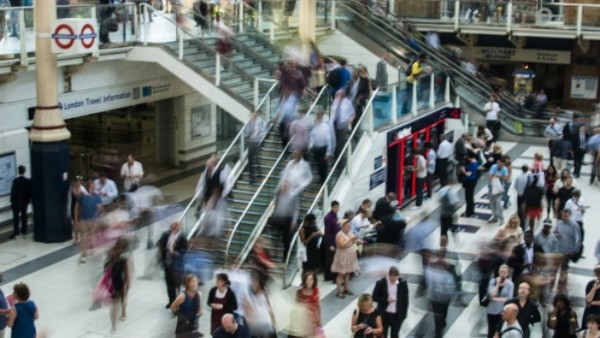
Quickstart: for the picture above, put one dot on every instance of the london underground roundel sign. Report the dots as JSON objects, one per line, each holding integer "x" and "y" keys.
{"x": 87, "y": 36}
{"x": 64, "y": 36}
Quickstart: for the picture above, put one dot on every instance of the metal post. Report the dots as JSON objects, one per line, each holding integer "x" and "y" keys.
{"x": 579, "y": 19}
{"x": 218, "y": 70}
{"x": 325, "y": 197}
{"x": 392, "y": 7}
{"x": 431, "y": 90}
{"x": 259, "y": 17}
{"x": 272, "y": 32}
{"x": 269, "y": 106}
{"x": 394, "y": 104}
{"x": 509, "y": 12}
{"x": 22, "y": 38}
{"x": 242, "y": 145}
{"x": 332, "y": 14}
{"x": 241, "y": 16}
{"x": 136, "y": 25}
{"x": 457, "y": 102}
{"x": 180, "y": 40}
{"x": 447, "y": 91}
{"x": 456, "y": 14}
{"x": 146, "y": 26}
{"x": 256, "y": 92}
{"x": 93, "y": 16}
{"x": 413, "y": 106}
{"x": 349, "y": 157}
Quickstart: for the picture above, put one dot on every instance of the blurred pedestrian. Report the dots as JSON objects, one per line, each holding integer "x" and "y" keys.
{"x": 221, "y": 300}
{"x": 22, "y": 316}
{"x": 254, "y": 132}
{"x": 500, "y": 290}
{"x": 440, "y": 289}
{"x": 120, "y": 269}
{"x": 258, "y": 311}
{"x": 528, "y": 313}
{"x": 214, "y": 185}
{"x": 296, "y": 176}
{"x": 132, "y": 172}
{"x": 322, "y": 140}
{"x": 345, "y": 260}
{"x": 343, "y": 113}
{"x": 366, "y": 321}
{"x": 87, "y": 210}
{"x": 307, "y": 297}
{"x": 187, "y": 308}
{"x": 230, "y": 328}
{"x": 310, "y": 236}
{"x": 562, "y": 319}
{"x": 172, "y": 246}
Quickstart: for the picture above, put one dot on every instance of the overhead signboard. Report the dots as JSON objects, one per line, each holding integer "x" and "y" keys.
{"x": 74, "y": 36}
{"x": 517, "y": 55}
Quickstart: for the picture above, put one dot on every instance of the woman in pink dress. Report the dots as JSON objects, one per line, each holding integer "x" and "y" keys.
{"x": 345, "y": 260}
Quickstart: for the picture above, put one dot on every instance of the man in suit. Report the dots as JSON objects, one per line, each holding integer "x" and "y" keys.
{"x": 570, "y": 129}
{"x": 579, "y": 142}
{"x": 20, "y": 197}
{"x": 172, "y": 246}
{"x": 391, "y": 295}
{"x": 522, "y": 258}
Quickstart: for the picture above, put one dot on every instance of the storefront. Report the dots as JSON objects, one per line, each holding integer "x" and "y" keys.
{"x": 404, "y": 140}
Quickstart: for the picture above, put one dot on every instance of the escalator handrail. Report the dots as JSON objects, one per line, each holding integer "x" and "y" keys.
{"x": 323, "y": 186}
{"x": 441, "y": 58}
{"x": 508, "y": 112}
{"x": 224, "y": 156}
{"x": 258, "y": 229}
{"x": 211, "y": 51}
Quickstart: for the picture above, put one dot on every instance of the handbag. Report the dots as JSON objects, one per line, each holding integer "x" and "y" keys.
{"x": 497, "y": 186}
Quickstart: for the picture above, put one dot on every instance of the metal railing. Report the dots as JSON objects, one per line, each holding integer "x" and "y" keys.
{"x": 258, "y": 229}
{"x": 323, "y": 192}
{"x": 238, "y": 141}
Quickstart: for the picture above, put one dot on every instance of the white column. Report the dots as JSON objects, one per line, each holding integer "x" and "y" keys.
{"x": 308, "y": 20}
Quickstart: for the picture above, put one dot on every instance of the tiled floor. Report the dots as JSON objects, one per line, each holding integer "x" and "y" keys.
{"x": 62, "y": 290}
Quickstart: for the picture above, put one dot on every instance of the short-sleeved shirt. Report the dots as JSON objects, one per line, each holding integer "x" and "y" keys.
{"x": 472, "y": 168}
{"x": 507, "y": 332}
{"x": 88, "y": 206}
{"x": 495, "y": 171}
{"x": 492, "y": 115}
{"x": 421, "y": 163}
{"x": 416, "y": 71}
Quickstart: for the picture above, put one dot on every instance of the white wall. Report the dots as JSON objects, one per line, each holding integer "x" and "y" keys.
{"x": 340, "y": 44}
{"x": 185, "y": 143}
{"x": 16, "y": 141}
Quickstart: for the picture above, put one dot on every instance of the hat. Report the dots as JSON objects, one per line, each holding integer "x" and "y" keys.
{"x": 548, "y": 223}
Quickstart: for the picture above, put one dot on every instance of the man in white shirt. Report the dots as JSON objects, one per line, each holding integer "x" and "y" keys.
{"x": 444, "y": 152}
{"x": 421, "y": 171}
{"x": 553, "y": 133}
{"x": 298, "y": 133}
{"x": 214, "y": 185}
{"x": 492, "y": 118}
{"x": 521, "y": 183}
{"x": 360, "y": 223}
{"x": 132, "y": 172}
{"x": 433, "y": 39}
{"x": 342, "y": 112}
{"x": 577, "y": 206}
{"x": 431, "y": 162}
{"x": 254, "y": 133}
{"x": 322, "y": 141}
{"x": 106, "y": 189}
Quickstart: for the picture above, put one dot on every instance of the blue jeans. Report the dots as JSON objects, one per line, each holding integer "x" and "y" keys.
{"x": 505, "y": 198}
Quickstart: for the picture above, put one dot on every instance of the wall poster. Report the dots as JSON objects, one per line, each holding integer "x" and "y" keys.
{"x": 201, "y": 121}
{"x": 8, "y": 172}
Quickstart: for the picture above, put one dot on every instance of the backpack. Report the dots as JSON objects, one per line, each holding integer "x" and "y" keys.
{"x": 409, "y": 68}
{"x": 534, "y": 195}
{"x": 334, "y": 78}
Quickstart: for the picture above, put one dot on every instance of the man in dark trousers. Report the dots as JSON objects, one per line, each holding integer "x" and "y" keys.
{"x": 579, "y": 141}
{"x": 391, "y": 295}
{"x": 331, "y": 229}
{"x": 172, "y": 246}
{"x": 20, "y": 197}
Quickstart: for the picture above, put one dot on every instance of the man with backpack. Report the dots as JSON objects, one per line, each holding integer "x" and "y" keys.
{"x": 511, "y": 327}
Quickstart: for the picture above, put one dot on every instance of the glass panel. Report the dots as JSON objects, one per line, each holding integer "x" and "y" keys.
{"x": 423, "y": 86}
{"x": 382, "y": 107}
{"x": 439, "y": 87}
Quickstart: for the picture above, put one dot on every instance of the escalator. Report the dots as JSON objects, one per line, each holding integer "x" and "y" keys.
{"x": 365, "y": 26}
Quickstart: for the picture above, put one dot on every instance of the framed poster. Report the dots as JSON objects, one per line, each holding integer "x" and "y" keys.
{"x": 584, "y": 87}
{"x": 8, "y": 172}
{"x": 200, "y": 121}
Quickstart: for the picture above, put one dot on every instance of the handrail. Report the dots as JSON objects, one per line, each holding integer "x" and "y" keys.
{"x": 258, "y": 191}
{"x": 258, "y": 229}
{"x": 324, "y": 185}
{"x": 206, "y": 47}
{"x": 224, "y": 156}
{"x": 460, "y": 74}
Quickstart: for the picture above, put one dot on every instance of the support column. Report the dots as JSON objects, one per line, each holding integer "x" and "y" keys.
{"x": 308, "y": 20}
{"x": 49, "y": 136}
